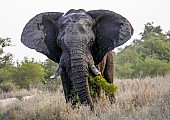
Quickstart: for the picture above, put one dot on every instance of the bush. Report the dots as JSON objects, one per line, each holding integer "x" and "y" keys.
{"x": 29, "y": 74}
{"x": 6, "y": 74}
{"x": 8, "y": 86}
{"x": 101, "y": 83}
{"x": 153, "y": 67}
{"x": 124, "y": 71}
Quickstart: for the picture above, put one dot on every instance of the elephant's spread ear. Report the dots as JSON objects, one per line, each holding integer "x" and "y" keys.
{"x": 111, "y": 30}
{"x": 40, "y": 34}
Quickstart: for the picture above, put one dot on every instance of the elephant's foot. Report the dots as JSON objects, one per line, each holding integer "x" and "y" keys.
{"x": 56, "y": 73}
{"x": 95, "y": 70}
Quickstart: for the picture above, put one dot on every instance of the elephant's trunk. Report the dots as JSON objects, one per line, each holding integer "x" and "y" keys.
{"x": 79, "y": 76}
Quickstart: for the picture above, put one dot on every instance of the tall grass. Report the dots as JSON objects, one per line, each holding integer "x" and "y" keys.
{"x": 138, "y": 99}
{"x": 17, "y": 93}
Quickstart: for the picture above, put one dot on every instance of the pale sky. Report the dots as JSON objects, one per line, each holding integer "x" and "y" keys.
{"x": 14, "y": 14}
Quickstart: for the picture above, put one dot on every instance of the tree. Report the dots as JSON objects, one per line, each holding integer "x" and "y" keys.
{"x": 6, "y": 67}
{"x": 5, "y": 59}
{"x": 153, "y": 67}
{"x": 124, "y": 71}
{"x": 128, "y": 55}
{"x": 29, "y": 74}
{"x": 148, "y": 56}
{"x": 149, "y": 28}
{"x": 155, "y": 45}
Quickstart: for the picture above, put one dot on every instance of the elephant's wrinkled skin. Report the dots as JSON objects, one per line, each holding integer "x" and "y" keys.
{"x": 78, "y": 41}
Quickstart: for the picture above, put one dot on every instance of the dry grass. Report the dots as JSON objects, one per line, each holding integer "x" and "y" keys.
{"x": 17, "y": 93}
{"x": 145, "y": 99}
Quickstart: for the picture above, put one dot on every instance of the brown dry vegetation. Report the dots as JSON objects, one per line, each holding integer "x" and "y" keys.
{"x": 137, "y": 99}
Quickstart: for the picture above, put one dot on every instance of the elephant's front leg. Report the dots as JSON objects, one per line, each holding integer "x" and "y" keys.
{"x": 68, "y": 89}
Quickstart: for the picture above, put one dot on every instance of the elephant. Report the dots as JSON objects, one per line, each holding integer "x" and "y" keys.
{"x": 78, "y": 41}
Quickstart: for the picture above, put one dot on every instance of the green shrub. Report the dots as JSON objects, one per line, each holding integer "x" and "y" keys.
{"x": 29, "y": 74}
{"x": 6, "y": 74}
{"x": 101, "y": 84}
{"x": 153, "y": 67}
{"x": 8, "y": 86}
{"x": 124, "y": 71}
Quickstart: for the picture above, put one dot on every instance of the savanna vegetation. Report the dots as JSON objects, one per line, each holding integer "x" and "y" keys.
{"x": 147, "y": 56}
{"x": 137, "y": 99}
{"x": 142, "y": 74}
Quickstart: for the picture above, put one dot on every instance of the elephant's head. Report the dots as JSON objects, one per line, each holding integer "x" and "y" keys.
{"x": 77, "y": 41}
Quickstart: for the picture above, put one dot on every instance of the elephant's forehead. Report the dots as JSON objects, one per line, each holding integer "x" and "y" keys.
{"x": 77, "y": 16}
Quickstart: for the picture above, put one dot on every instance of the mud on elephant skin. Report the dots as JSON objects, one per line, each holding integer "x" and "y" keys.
{"x": 77, "y": 41}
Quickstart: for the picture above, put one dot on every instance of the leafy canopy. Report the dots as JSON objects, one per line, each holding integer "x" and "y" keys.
{"x": 147, "y": 56}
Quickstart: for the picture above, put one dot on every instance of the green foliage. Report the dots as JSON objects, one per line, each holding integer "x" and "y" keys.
{"x": 8, "y": 86}
{"x": 149, "y": 28}
{"x": 155, "y": 45}
{"x": 148, "y": 56}
{"x": 128, "y": 55}
{"x": 26, "y": 74}
{"x": 153, "y": 67}
{"x": 29, "y": 74}
{"x": 101, "y": 84}
{"x": 6, "y": 73}
{"x": 124, "y": 71}
{"x": 6, "y": 68}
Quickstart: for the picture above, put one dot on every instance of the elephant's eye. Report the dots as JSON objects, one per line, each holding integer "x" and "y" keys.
{"x": 59, "y": 43}
{"x": 59, "y": 40}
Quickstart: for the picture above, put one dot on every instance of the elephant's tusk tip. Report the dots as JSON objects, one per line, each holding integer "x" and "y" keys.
{"x": 95, "y": 70}
{"x": 56, "y": 73}
{"x": 99, "y": 73}
{"x": 53, "y": 76}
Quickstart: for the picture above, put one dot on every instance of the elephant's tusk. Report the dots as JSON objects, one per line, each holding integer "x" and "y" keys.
{"x": 56, "y": 73}
{"x": 95, "y": 70}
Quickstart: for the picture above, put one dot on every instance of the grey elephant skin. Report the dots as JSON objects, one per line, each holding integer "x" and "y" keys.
{"x": 78, "y": 41}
